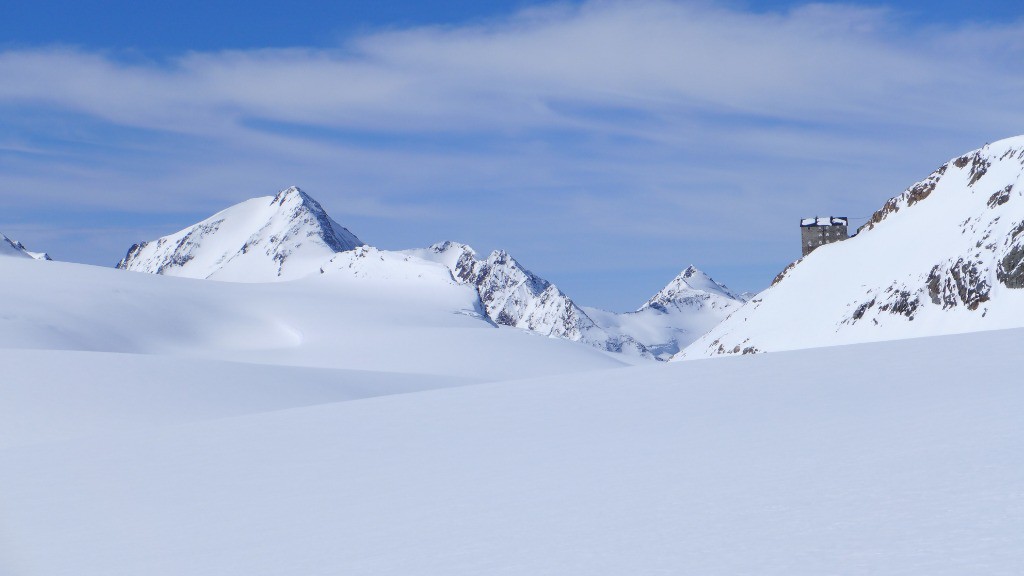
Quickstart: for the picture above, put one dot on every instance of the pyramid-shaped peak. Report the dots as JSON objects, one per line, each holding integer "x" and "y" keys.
{"x": 692, "y": 271}
{"x": 284, "y": 236}
{"x": 689, "y": 284}
{"x": 500, "y": 256}
{"x": 698, "y": 280}
{"x": 449, "y": 246}
{"x": 293, "y": 195}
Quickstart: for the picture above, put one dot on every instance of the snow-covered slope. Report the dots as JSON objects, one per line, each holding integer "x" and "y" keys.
{"x": 511, "y": 295}
{"x": 690, "y": 305}
{"x": 731, "y": 466}
{"x": 280, "y": 237}
{"x": 376, "y": 320}
{"x": 945, "y": 256}
{"x": 14, "y": 248}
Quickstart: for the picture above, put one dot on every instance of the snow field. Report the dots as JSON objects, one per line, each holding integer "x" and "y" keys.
{"x": 889, "y": 458}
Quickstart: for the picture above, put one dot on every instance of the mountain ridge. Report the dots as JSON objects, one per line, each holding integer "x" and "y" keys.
{"x": 9, "y": 247}
{"x": 944, "y": 256}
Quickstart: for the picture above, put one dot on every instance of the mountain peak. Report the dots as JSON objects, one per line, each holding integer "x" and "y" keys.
{"x": 297, "y": 205}
{"x": 285, "y": 236}
{"x": 293, "y": 195}
{"x": 691, "y": 288}
{"x": 693, "y": 275}
{"x": 450, "y": 246}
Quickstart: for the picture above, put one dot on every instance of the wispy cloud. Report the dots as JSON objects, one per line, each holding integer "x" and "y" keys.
{"x": 571, "y": 123}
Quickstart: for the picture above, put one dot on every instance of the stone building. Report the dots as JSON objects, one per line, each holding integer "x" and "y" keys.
{"x": 816, "y": 232}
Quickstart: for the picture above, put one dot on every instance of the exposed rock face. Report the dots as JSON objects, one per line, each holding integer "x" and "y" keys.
{"x": 911, "y": 196}
{"x": 271, "y": 238}
{"x": 962, "y": 283}
{"x": 1010, "y": 271}
{"x": 950, "y": 246}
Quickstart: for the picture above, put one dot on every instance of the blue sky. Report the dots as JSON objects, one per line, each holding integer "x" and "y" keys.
{"x": 605, "y": 144}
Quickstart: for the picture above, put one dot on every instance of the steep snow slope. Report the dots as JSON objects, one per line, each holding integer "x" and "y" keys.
{"x": 10, "y": 247}
{"x": 280, "y": 237}
{"x": 376, "y": 320}
{"x": 511, "y": 295}
{"x": 690, "y": 305}
{"x": 945, "y": 256}
{"x": 730, "y": 466}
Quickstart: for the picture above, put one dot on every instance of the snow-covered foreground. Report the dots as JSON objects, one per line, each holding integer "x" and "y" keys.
{"x": 886, "y": 458}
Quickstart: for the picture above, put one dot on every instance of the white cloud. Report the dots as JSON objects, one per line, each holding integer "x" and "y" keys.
{"x": 675, "y": 114}
{"x": 657, "y": 57}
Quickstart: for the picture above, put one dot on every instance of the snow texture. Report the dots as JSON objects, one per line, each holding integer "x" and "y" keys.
{"x": 732, "y": 466}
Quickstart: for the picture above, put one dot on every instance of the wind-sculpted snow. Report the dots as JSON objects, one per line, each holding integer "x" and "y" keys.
{"x": 14, "y": 248}
{"x": 280, "y": 237}
{"x": 945, "y": 256}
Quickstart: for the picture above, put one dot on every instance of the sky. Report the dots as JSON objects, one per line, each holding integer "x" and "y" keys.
{"x": 605, "y": 144}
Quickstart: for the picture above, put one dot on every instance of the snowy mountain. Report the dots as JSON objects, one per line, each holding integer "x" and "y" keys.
{"x": 690, "y": 305}
{"x": 280, "y": 237}
{"x": 692, "y": 289}
{"x": 945, "y": 256}
{"x": 14, "y": 248}
{"x": 511, "y": 295}
{"x": 290, "y": 236}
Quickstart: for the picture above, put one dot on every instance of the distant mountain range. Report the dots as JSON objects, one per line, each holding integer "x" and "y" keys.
{"x": 290, "y": 235}
{"x": 945, "y": 256}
